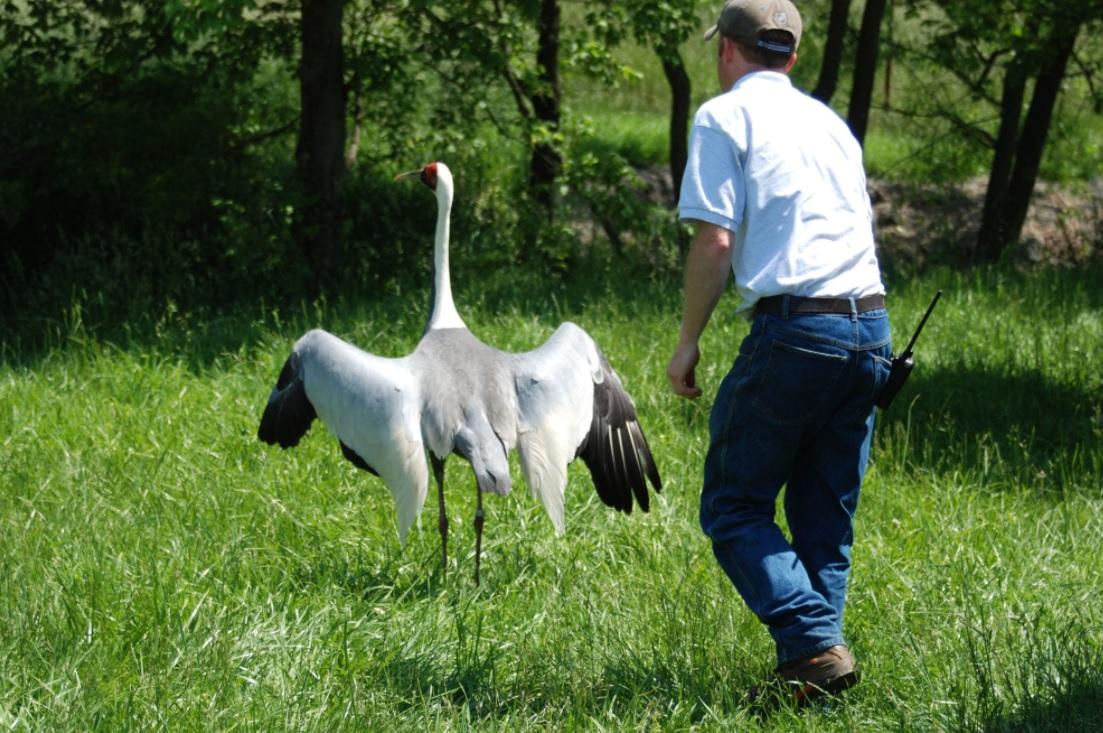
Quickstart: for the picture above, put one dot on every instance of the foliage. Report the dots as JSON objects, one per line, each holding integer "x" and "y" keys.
{"x": 953, "y": 57}
{"x": 662, "y": 26}
{"x": 623, "y": 209}
{"x": 157, "y": 138}
{"x": 128, "y": 129}
{"x": 381, "y": 66}
{"x": 478, "y": 62}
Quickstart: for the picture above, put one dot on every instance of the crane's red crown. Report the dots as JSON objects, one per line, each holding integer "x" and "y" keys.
{"x": 429, "y": 175}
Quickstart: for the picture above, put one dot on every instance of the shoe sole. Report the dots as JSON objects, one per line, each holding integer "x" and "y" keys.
{"x": 810, "y": 691}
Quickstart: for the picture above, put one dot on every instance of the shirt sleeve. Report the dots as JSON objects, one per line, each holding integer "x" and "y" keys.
{"x": 712, "y": 187}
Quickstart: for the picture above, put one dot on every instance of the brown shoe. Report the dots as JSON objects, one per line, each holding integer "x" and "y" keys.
{"x": 827, "y": 673}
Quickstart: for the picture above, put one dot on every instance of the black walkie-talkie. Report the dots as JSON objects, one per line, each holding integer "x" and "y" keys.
{"x": 902, "y": 365}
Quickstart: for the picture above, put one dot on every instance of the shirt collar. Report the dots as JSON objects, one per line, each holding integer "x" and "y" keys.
{"x": 762, "y": 76}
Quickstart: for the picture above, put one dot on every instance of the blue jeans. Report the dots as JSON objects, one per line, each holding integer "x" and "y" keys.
{"x": 796, "y": 409}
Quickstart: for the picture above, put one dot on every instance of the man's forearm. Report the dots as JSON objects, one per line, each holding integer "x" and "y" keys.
{"x": 707, "y": 268}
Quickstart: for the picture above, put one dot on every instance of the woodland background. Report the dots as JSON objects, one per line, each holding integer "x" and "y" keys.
{"x": 192, "y": 153}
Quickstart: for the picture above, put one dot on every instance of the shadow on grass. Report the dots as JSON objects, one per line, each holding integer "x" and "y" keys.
{"x": 1076, "y": 707}
{"x": 661, "y": 678}
{"x": 419, "y": 679}
{"x": 1049, "y": 681}
{"x": 199, "y": 334}
{"x": 392, "y": 579}
{"x": 475, "y": 681}
{"x": 1019, "y": 427}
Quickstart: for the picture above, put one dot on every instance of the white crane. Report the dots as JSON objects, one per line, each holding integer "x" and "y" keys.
{"x": 455, "y": 394}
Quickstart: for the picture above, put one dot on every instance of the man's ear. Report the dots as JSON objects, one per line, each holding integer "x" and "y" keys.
{"x": 726, "y": 49}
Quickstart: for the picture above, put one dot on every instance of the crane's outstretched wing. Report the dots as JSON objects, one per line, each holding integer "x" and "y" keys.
{"x": 370, "y": 403}
{"x": 572, "y": 404}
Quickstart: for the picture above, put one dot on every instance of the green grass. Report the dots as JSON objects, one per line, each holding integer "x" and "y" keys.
{"x": 161, "y": 569}
{"x": 641, "y": 138}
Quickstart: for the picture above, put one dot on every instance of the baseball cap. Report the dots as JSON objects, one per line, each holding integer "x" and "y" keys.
{"x": 746, "y": 20}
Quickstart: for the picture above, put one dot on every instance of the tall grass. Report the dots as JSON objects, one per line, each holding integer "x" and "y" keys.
{"x": 160, "y": 569}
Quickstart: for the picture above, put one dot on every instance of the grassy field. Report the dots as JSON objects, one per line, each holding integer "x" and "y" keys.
{"x": 161, "y": 569}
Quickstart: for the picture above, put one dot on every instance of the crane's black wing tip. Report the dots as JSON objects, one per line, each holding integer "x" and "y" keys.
{"x": 355, "y": 458}
{"x": 289, "y": 413}
{"x": 616, "y": 450}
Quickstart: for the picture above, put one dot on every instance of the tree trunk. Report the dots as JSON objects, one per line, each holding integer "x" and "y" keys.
{"x": 546, "y": 160}
{"x": 678, "y": 79}
{"x": 888, "y": 59}
{"x": 320, "y": 151}
{"x": 865, "y": 68}
{"x": 1032, "y": 141}
{"x": 832, "y": 51}
{"x": 991, "y": 236}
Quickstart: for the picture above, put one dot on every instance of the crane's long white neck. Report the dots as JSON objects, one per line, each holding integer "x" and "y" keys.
{"x": 444, "y": 313}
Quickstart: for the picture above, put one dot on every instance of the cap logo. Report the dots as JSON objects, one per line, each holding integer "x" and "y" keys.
{"x": 747, "y": 20}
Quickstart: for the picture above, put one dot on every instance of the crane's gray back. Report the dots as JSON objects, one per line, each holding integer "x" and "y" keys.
{"x": 461, "y": 376}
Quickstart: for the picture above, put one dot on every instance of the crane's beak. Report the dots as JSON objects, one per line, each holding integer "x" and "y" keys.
{"x": 409, "y": 174}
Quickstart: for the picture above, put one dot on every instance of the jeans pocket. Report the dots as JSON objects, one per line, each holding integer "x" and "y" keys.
{"x": 882, "y": 365}
{"x": 798, "y": 381}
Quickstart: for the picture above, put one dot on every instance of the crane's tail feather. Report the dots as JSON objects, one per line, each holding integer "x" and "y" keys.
{"x": 288, "y": 414}
{"x": 616, "y": 450}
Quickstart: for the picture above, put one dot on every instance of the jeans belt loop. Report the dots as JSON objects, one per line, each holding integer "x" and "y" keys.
{"x": 853, "y": 310}
{"x": 785, "y": 307}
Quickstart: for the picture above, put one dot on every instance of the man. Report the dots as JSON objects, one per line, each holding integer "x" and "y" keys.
{"x": 776, "y": 188}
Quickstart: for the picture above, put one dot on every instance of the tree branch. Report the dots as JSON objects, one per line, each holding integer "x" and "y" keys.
{"x": 1088, "y": 74}
{"x": 971, "y": 129}
{"x": 521, "y": 96}
{"x": 259, "y": 137}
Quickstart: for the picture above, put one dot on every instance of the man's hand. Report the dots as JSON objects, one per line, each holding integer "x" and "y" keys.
{"x": 681, "y": 371}
{"x": 708, "y": 267}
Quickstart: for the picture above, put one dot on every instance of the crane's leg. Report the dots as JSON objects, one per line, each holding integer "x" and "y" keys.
{"x": 442, "y": 517}
{"x": 478, "y": 529}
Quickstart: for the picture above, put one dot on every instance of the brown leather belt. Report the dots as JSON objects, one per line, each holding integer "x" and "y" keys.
{"x": 775, "y": 304}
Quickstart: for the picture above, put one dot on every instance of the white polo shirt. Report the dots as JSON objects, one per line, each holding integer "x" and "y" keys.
{"x": 783, "y": 172}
